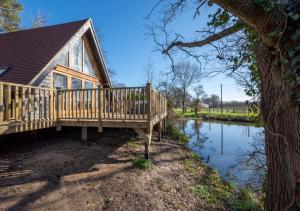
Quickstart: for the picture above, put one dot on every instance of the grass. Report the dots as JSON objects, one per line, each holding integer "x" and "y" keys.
{"x": 132, "y": 145}
{"x": 216, "y": 114}
{"x": 176, "y": 134}
{"x": 142, "y": 164}
{"x": 212, "y": 189}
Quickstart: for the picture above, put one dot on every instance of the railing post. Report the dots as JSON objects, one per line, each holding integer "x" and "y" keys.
{"x": 1, "y": 102}
{"x": 58, "y": 101}
{"x": 99, "y": 105}
{"x": 148, "y": 91}
{"x": 8, "y": 104}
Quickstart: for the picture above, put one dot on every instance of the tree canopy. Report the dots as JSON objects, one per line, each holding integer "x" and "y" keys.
{"x": 10, "y": 15}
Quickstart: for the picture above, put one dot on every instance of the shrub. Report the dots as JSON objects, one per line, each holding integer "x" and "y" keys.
{"x": 176, "y": 134}
{"x": 245, "y": 201}
{"x": 142, "y": 164}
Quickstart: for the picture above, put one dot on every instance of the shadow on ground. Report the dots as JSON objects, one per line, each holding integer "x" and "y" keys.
{"x": 52, "y": 170}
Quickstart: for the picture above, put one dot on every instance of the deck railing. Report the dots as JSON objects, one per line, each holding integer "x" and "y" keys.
{"x": 21, "y": 103}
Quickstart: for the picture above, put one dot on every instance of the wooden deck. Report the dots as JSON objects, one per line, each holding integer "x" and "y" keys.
{"x": 26, "y": 108}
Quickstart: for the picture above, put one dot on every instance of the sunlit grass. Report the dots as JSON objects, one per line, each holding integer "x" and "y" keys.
{"x": 216, "y": 114}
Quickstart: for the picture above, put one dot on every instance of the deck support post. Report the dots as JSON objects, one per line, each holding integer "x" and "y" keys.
{"x": 146, "y": 151}
{"x": 164, "y": 127}
{"x": 58, "y": 128}
{"x": 159, "y": 130}
{"x": 146, "y": 136}
{"x": 84, "y": 134}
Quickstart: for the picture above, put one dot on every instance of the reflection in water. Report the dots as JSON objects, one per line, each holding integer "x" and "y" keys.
{"x": 229, "y": 148}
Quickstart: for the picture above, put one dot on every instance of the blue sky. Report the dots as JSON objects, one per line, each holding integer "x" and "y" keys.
{"x": 123, "y": 33}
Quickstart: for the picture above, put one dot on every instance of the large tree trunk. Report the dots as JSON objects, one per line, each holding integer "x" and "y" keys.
{"x": 282, "y": 135}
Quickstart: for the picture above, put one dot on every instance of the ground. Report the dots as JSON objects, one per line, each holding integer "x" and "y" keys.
{"x": 61, "y": 173}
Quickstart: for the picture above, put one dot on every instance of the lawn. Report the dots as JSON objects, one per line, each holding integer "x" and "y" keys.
{"x": 228, "y": 115}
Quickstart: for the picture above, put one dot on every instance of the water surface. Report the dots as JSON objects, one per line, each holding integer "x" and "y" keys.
{"x": 225, "y": 146}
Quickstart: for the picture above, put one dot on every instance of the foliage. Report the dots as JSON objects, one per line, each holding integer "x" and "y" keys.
{"x": 213, "y": 101}
{"x": 176, "y": 134}
{"x": 10, "y": 15}
{"x": 142, "y": 164}
{"x": 246, "y": 201}
{"x": 214, "y": 190}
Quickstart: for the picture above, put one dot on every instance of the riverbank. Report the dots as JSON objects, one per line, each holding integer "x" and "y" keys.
{"x": 216, "y": 115}
{"x": 61, "y": 173}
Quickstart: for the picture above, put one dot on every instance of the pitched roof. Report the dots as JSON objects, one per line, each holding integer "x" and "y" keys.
{"x": 27, "y": 52}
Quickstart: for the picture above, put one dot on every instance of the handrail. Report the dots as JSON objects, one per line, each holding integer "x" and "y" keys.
{"x": 27, "y": 104}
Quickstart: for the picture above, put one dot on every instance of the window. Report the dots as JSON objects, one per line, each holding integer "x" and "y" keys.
{"x": 88, "y": 61}
{"x": 3, "y": 70}
{"x": 63, "y": 59}
{"x": 88, "y": 96}
{"x": 59, "y": 81}
{"x": 88, "y": 85}
{"x": 76, "y": 83}
{"x": 76, "y": 56}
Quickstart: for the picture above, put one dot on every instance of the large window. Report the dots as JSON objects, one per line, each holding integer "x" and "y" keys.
{"x": 76, "y": 83}
{"x": 88, "y": 85}
{"x": 88, "y": 61}
{"x": 59, "y": 81}
{"x": 76, "y": 56}
{"x": 63, "y": 59}
{"x": 88, "y": 96}
{"x": 82, "y": 58}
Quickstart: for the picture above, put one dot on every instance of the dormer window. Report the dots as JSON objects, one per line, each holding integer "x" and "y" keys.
{"x": 3, "y": 70}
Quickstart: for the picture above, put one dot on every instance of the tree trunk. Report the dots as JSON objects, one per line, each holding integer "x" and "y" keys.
{"x": 196, "y": 107}
{"x": 183, "y": 103}
{"x": 282, "y": 135}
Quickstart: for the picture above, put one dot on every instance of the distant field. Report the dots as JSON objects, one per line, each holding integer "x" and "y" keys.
{"x": 216, "y": 114}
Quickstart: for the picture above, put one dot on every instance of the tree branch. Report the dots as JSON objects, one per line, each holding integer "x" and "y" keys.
{"x": 231, "y": 30}
{"x": 244, "y": 9}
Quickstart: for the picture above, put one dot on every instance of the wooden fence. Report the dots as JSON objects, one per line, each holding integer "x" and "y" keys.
{"x": 22, "y": 103}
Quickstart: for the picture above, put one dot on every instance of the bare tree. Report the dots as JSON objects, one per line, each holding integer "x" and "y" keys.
{"x": 185, "y": 75}
{"x": 199, "y": 91}
{"x": 266, "y": 33}
{"x": 39, "y": 20}
{"x": 149, "y": 72}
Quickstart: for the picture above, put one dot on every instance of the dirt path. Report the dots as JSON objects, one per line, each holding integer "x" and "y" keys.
{"x": 62, "y": 174}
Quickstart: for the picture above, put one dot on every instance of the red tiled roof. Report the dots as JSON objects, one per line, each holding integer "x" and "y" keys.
{"x": 27, "y": 52}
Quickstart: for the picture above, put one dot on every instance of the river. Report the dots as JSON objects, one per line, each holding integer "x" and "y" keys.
{"x": 235, "y": 150}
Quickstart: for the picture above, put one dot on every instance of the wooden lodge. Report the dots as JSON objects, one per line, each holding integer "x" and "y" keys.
{"x": 55, "y": 76}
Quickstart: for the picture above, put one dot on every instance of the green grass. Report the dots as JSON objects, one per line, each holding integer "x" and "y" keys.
{"x": 142, "y": 164}
{"x": 176, "y": 134}
{"x": 216, "y": 114}
{"x": 212, "y": 189}
{"x": 132, "y": 145}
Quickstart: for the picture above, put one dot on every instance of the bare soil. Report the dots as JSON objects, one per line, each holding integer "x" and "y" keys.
{"x": 61, "y": 173}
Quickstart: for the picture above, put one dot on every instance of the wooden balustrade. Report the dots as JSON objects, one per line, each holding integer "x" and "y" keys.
{"x": 22, "y": 103}
{"x": 104, "y": 103}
